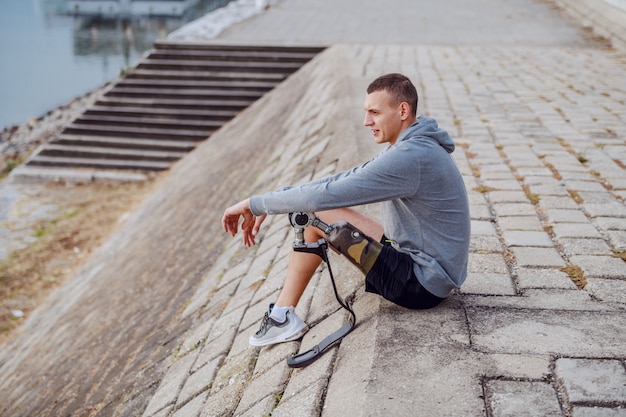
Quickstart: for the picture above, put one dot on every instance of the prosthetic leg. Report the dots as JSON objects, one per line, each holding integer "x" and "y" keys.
{"x": 346, "y": 239}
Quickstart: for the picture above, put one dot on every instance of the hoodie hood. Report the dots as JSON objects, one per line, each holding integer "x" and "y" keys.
{"x": 427, "y": 127}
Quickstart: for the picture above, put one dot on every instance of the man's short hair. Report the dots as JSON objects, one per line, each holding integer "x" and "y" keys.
{"x": 399, "y": 87}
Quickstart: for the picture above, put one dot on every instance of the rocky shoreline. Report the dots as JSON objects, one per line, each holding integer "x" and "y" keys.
{"x": 17, "y": 142}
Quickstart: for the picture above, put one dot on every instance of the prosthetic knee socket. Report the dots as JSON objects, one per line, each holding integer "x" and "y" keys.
{"x": 359, "y": 248}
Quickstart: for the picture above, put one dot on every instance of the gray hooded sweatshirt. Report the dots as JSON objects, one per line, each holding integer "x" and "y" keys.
{"x": 424, "y": 206}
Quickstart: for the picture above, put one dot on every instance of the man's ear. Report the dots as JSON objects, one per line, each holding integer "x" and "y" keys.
{"x": 405, "y": 110}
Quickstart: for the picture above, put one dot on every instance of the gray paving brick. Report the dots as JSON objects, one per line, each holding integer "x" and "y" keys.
{"x": 578, "y": 230}
{"x": 592, "y": 380}
{"x": 514, "y": 209}
{"x": 524, "y": 367}
{"x": 566, "y": 216}
{"x": 598, "y": 412}
{"x": 531, "y": 223}
{"x": 193, "y": 408}
{"x": 483, "y": 228}
{"x": 558, "y": 202}
{"x": 610, "y": 223}
{"x": 271, "y": 382}
{"x": 612, "y": 209}
{"x": 480, "y": 212}
{"x": 543, "y": 278}
{"x": 596, "y": 197}
{"x": 600, "y": 266}
{"x": 488, "y": 284}
{"x": 485, "y": 244}
{"x": 307, "y": 403}
{"x": 171, "y": 385}
{"x": 579, "y": 186}
{"x": 543, "y": 332}
{"x": 609, "y": 290}
{"x": 487, "y": 263}
{"x": 507, "y": 197}
{"x": 262, "y": 408}
{"x": 576, "y": 246}
{"x": 199, "y": 382}
{"x": 522, "y": 399}
{"x": 617, "y": 239}
{"x": 527, "y": 238}
{"x": 537, "y": 257}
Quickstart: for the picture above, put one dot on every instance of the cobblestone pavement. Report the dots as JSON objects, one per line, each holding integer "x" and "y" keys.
{"x": 157, "y": 323}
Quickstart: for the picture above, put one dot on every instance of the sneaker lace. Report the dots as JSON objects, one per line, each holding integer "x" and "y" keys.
{"x": 265, "y": 325}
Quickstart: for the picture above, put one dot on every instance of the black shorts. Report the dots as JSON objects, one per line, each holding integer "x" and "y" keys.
{"x": 393, "y": 278}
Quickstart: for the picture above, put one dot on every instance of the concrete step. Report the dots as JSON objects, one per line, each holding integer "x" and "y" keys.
{"x": 53, "y": 161}
{"x": 178, "y": 93}
{"x": 247, "y": 85}
{"x": 126, "y": 142}
{"x": 91, "y": 152}
{"x": 151, "y": 122}
{"x": 165, "y": 113}
{"x": 138, "y": 132}
{"x": 174, "y": 103}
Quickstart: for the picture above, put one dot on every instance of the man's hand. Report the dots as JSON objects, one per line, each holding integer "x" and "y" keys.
{"x": 251, "y": 223}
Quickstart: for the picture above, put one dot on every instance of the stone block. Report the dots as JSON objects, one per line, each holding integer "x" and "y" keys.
{"x": 520, "y": 223}
{"x": 537, "y": 257}
{"x": 566, "y": 216}
{"x": 483, "y": 228}
{"x": 271, "y": 382}
{"x": 576, "y": 246}
{"x": 522, "y": 399}
{"x": 600, "y": 266}
{"x": 546, "y": 332}
{"x": 618, "y": 238}
{"x": 578, "y": 230}
{"x": 193, "y": 407}
{"x": 488, "y": 284}
{"x": 543, "y": 278}
{"x": 514, "y": 209}
{"x": 171, "y": 384}
{"x": 527, "y": 238}
{"x": 516, "y": 366}
{"x": 487, "y": 263}
{"x": 482, "y": 244}
{"x": 592, "y": 380}
{"x": 608, "y": 290}
{"x": 613, "y": 209}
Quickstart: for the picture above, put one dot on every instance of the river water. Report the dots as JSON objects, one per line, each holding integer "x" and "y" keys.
{"x": 49, "y": 56}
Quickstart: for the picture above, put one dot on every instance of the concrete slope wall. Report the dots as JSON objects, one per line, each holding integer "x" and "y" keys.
{"x": 120, "y": 317}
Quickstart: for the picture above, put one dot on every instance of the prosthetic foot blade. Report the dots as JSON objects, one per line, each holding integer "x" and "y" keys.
{"x": 306, "y": 358}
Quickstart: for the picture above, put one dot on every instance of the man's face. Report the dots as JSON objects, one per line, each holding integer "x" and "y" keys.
{"x": 384, "y": 119}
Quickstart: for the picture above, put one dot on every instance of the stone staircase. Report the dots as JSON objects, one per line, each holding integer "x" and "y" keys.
{"x": 176, "y": 97}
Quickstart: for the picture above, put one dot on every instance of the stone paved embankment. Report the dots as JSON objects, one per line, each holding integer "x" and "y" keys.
{"x": 157, "y": 323}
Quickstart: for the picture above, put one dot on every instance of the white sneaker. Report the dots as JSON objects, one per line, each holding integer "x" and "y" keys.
{"x": 272, "y": 331}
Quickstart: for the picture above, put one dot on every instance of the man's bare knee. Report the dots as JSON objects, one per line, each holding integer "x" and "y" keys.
{"x": 366, "y": 224}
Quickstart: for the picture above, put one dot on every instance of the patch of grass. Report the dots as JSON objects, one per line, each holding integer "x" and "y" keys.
{"x": 9, "y": 165}
{"x": 485, "y": 189}
{"x": 575, "y": 273}
{"x": 582, "y": 158}
{"x": 533, "y": 198}
{"x": 42, "y": 231}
